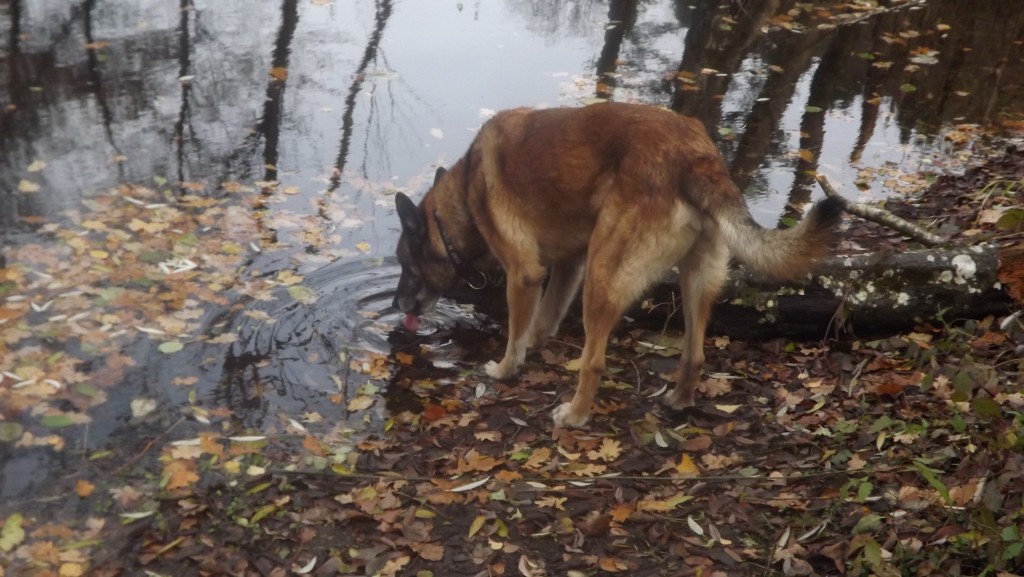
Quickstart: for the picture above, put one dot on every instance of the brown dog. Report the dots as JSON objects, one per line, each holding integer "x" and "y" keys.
{"x": 612, "y": 195}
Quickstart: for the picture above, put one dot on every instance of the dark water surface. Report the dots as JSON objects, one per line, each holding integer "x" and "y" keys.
{"x": 327, "y": 108}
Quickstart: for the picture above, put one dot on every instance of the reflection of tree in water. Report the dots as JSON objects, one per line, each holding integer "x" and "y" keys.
{"x": 382, "y": 13}
{"x": 555, "y": 19}
{"x": 875, "y": 63}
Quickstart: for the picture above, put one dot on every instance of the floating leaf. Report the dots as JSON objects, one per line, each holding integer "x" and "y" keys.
{"x": 907, "y": 88}
{"x": 27, "y": 186}
{"x": 12, "y": 533}
{"x": 56, "y": 421}
{"x": 170, "y": 347}
{"x": 10, "y": 431}
{"x": 142, "y": 407}
{"x": 36, "y": 166}
{"x": 84, "y": 488}
{"x": 812, "y": 109}
{"x": 302, "y": 294}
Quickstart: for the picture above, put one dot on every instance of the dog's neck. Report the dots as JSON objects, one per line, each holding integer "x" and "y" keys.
{"x": 456, "y": 230}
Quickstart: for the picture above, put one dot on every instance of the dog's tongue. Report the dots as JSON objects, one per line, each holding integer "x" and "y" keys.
{"x": 411, "y": 322}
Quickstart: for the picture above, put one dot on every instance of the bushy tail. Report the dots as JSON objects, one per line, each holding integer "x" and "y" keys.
{"x": 781, "y": 253}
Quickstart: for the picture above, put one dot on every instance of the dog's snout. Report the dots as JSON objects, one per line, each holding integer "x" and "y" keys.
{"x": 405, "y": 303}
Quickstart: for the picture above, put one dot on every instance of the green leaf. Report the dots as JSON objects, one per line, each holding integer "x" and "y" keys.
{"x": 873, "y": 553}
{"x": 867, "y": 523}
{"x": 812, "y": 109}
{"x": 170, "y": 347}
{"x": 908, "y": 88}
{"x": 986, "y": 408}
{"x": 1011, "y": 219}
{"x": 929, "y": 475}
{"x": 1010, "y": 533}
{"x": 12, "y": 534}
{"x": 262, "y": 512}
{"x": 56, "y": 421}
{"x": 87, "y": 390}
{"x": 10, "y": 431}
{"x": 864, "y": 491}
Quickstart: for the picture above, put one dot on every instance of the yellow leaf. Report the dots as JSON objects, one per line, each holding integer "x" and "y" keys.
{"x": 99, "y": 254}
{"x": 360, "y": 403}
{"x": 180, "y": 473}
{"x": 28, "y": 186}
{"x": 279, "y": 73}
{"x": 687, "y": 467}
{"x": 476, "y": 525}
{"x": 553, "y": 502}
{"x": 609, "y": 451}
{"x": 538, "y": 458}
{"x": 806, "y": 155}
{"x": 71, "y": 570}
{"x": 36, "y": 166}
{"x": 84, "y": 488}
{"x": 363, "y": 246}
{"x": 573, "y": 365}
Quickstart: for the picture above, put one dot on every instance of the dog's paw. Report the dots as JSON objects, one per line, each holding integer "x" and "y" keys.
{"x": 564, "y": 417}
{"x": 497, "y": 371}
{"x": 678, "y": 400}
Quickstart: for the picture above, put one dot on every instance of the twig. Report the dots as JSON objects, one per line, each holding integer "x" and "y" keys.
{"x": 881, "y": 216}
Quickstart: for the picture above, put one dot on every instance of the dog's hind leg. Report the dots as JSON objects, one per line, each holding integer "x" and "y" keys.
{"x": 562, "y": 287}
{"x": 620, "y": 267}
{"x": 702, "y": 272}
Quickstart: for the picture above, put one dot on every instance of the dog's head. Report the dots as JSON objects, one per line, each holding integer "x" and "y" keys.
{"x": 426, "y": 268}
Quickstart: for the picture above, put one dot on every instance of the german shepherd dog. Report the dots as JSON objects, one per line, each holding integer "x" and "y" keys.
{"x": 610, "y": 195}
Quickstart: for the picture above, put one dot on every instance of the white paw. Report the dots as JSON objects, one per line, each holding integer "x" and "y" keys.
{"x": 564, "y": 418}
{"x": 496, "y": 371}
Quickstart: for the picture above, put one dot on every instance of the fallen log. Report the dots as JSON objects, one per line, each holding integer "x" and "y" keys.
{"x": 864, "y": 294}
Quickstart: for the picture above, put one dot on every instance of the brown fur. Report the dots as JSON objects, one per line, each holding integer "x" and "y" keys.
{"x": 622, "y": 192}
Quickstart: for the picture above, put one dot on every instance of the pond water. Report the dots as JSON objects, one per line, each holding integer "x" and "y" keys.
{"x": 301, "y": 119}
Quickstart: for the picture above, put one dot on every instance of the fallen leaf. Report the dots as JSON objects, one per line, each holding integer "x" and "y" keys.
{"x": 84, "y": 488}
{"x": 687, "y": 467}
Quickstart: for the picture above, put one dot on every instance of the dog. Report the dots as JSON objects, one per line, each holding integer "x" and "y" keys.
{"x": 609, "y": 196}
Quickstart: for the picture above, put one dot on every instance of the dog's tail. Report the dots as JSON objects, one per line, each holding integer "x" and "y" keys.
{"x": 780, "y": 253}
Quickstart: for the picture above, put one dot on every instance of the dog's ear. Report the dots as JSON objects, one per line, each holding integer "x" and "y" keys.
{"x": 440, "y": 172}
{"x": 409, "y": 215}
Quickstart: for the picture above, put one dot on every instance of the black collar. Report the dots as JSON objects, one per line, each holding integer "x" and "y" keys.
{"x": 476, "y": 279}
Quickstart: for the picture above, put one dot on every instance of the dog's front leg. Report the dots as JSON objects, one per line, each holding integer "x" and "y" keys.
{"x": 523, "y": 299}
